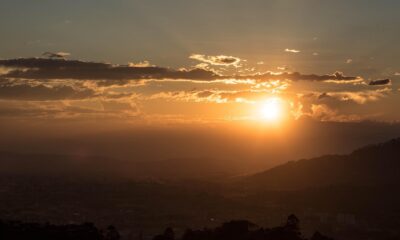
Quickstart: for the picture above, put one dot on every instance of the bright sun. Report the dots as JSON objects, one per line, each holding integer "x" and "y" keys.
{"x": 271, "y": 109}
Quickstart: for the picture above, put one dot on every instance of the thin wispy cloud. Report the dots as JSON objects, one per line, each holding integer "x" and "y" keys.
{"x": 292, "y": 50}
{"x": 359, "y": 97}
{"x": 219, "y": 60}
{"x": 42, "y": 92}
{"x": 60, "y": 55}
{"x": 141, "y": 64}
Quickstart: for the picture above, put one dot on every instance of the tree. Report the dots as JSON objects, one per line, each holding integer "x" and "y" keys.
{"x": 112, "y": 233}
{"x": 319, "y": 236}
{"x": 293, "y": 223}
{"x": 167, "y": 235}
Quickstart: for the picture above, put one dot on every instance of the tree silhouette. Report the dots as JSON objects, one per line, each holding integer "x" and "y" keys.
{"x": 112, "y": 233}
{"x": 319, "y": 236}
{"x": 167, "y": 235}
{"x": 245, "y": 230}
{"x": 233, "y": 230}
{"x": 292, "y": 224}
{"x": 15, "y": 230}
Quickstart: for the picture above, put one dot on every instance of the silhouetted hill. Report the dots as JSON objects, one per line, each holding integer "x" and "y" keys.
{"x": 372, "y": 165}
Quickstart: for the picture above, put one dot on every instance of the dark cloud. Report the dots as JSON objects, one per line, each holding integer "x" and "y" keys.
{"x": 323, "y": 95}
{"x": 380, "y": 82}
{"x": 359, "y": 97}
{"x": 9, "y": 90}
{"x": 44, "y": 68}
{"x": 296, "y": 76}
{"x": 204, "y": 94}
{"x": 61, "y": 55}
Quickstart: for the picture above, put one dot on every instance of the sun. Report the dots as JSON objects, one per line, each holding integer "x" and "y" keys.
{"x": 271, "y": 109}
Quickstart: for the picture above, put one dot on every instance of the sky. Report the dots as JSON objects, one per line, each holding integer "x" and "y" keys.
{"x": 167, "y": 32}
{"x": 273, "y": 64}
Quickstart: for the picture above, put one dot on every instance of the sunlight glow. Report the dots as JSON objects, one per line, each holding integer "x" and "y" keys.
{"x": 271, "y": 110}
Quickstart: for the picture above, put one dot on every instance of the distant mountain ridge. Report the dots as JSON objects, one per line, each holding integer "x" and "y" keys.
{"x": 99, "y": 166}
{"x": 372, "y": 165}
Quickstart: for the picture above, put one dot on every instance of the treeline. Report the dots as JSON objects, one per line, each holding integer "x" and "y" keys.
{"x": 233, "y": 230}
{"x": 244, "y": 230}
{"x": 16, "y": 230}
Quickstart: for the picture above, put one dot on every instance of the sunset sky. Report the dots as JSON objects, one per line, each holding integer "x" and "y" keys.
{"x": 181, "y": 61}
{"x": 221, "y": 115}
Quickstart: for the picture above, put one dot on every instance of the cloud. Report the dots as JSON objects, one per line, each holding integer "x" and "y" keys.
{"x": 359, "y": 97}
{"x": 68, "y": 88}
{"x": 69, "y": 108}
{"x": 217, "y": 96}
{"x": 41, "y": 92}
{"x": 292, "y": 50}
{"x": 42, "y": 68}
{"x": 141, "y": 64}
{"x": 283, "y": 68}
{"x": 337, "y": 77}
{"x": 6, "y": 70}
{"x": 109, "y": 74}
{"x": 61, "y": 55}
{"x": 324, "y": 113}
{"x": 220, "y": 60}
{"x": 380, "y": 82}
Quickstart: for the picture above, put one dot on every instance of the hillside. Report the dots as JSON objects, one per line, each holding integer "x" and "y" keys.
{"x": 372, "y": 165}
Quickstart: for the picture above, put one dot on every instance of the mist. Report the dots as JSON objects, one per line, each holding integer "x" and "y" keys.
{"x": 180, "y": 150}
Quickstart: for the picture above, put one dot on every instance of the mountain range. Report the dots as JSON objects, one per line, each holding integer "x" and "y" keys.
{"x": 372, "y": 165}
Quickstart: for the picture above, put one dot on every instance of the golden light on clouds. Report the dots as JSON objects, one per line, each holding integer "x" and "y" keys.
{"x": 142, "y": 90}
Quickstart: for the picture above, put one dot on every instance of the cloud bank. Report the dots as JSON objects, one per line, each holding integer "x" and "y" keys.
{"x": 44, "y": 68}
{"x": 56, "y": 86}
